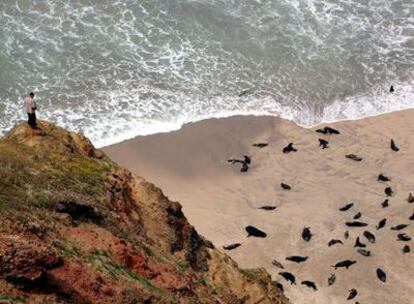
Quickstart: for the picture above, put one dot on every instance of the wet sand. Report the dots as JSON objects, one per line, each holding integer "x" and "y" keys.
{"x": 190, "y": 165}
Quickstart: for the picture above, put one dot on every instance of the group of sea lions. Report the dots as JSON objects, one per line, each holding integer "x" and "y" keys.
{"x": 361, "y": 247}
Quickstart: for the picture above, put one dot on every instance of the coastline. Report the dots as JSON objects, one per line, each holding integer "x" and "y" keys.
{"x": 190, "y": 165}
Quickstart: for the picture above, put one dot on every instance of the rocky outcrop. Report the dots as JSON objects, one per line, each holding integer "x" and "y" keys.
{"x": 77, "y": 228}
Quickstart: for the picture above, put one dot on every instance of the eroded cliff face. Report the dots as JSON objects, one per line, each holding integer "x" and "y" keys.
{"x": 77, "y": 228}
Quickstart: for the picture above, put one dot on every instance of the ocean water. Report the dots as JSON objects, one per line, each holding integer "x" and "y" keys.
{"x": 117, "y": 69}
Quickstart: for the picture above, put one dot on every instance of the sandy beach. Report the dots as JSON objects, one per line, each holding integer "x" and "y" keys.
{"x": 191, "y": 167}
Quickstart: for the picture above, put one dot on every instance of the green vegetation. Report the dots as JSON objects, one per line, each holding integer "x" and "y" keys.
{"x": 6, "y": 299}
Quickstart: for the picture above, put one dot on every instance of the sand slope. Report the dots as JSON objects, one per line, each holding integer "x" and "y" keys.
{"x": 190, "y": 166}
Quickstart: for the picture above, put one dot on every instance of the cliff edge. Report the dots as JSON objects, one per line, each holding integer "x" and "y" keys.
{"x": 77, "y": 228}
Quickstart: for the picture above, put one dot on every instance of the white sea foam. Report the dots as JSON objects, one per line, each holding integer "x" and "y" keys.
{"x": 118, "y": 69}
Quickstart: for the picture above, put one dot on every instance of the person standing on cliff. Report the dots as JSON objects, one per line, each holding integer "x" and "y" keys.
{"x": 30, "y": 107}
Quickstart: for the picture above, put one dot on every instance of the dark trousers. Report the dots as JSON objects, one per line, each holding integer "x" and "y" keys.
{"x": 32, "y": 120}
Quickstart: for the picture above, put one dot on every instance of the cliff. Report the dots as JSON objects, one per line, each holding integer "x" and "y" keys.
{"x": 77, "y": 228}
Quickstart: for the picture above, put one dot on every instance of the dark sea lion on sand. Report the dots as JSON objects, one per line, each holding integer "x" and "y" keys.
{"x": 260, "y": 145}
{"x": 370, "y": 237}
{"x": 411, "y": 218}
{"x": 385, "y": 203}
{"x": 393, "y": 146}
{"x": 344, "y": 264}
{"x": 268, "y": 208}
{"x": 328, "y": 130}
{"x": 297, "y": 259}
{"x": 388, "y": 191}
{"x": 279, "y": 286}
{"x": 285, "y": 186}
{"x": 410, "y": 198}
{"x": 306, "y": 234}
{"x": 359, "y": 244}
{"x": 406, "y": 249}
{"x": 231, "y": 246}
{"x": 310, "y": 284}
{"x": 403, "y": 237}
{"x": 334, "y": 241}
{"x": 289, "y": 148}
{"x": 352, "y": 294}
{"x": 357, "y": 216}
{"x": 382, "y": 276}
{"x": 353, "y": 157}
{"x": 288, "y": 277}
{"x": 356, "y": 224}
{"x": 247, "y": 159}
{"x": 244, "y": 168}
{"x": 346, "y": 235}
{"x": 383, "y": 178}
{"x": 381, "y": 223}
{"x": 364, "y": 252}
{"x": 323, "y": 143}
{"x": 346, "y": 207}
{"x": 399, "y": 227}
{"x": 277, "y": 264}
{"x": 331, "y": 279}
{"x": 253, "y": 231}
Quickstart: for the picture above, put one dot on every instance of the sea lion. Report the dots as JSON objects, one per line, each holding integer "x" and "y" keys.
{"x": 353, "y": 157}
{"x": 403, "y": 237}
{"x": 388, "y": 191}
{"x": 268, "y": 208}
{"x": 370, "y": 237}
{"x": 356, "y": 224}
{"x": 359, "y": 244}
{"x": 247, "y": 159}
{"x": 289, "y": 148}
{"x": 231, "y": 246}
{"x": 285, "y": 186}
{"x": 277, "y": 264}
{"x": 345, "y": 263}
{"x": 385, "y": 203}
{"x": 381, "y": 223}
{"x": 364, "y": 252}
{"x": 297, "y": 259}
{"x": 244, "y": 92}
{"x": 310, "y": 284}
{"x": 410, "y": 198}
{"x": 278, "y": 286}
{"x": 306, "y": 234}
{"x": 346, "y": 235}
{"x": 383, "y": 178}
{"x": 411, "y": 218}
{"x": 328, "y": 131}
{"x": 352, "y": 294}
{"x": 288, "y": 277}
{"x": 399, "y": 227}
{"x": 260, "y": 145}
{"x": 346, "y": 207}
{"x": 393, "y": 146}
{"x": 334, "y": 241}
{"x": 406, "y": 249}
{"x": 357, "y": 216}
{"x": 331, "y": 279}
{"x": 245, "y": 162}
{"x": 323, "y": 143}
{"x": 392, "y": 89}
{"x": 382, "y": 276}
{"x": 244, "y": 168}
{"x": 253, "y": 231}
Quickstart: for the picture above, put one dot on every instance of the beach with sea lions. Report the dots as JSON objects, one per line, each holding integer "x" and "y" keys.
{"x": 328, "y": 211}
